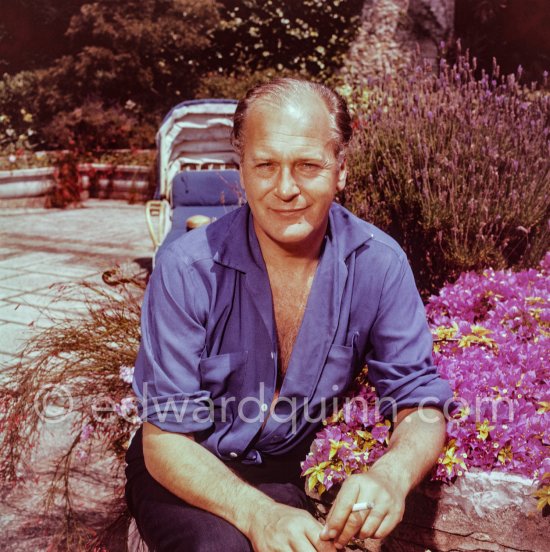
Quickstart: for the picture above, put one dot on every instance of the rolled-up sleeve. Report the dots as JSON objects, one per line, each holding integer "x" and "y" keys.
{"x": 400, "y": 362}
{"x": 166, "y": 376}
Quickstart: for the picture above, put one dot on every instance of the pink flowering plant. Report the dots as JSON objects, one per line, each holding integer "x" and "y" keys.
{"x": 492, "y": 343}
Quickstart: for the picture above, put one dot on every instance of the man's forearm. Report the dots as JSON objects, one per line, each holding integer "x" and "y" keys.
{"x": 414, "y": 447}
{"x": 194, "y": 474}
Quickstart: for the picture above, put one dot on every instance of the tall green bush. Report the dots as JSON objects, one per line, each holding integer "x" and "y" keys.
{"x": 136, "y": 59}
{"x": 18, "y": 127}
{"x": 308, "y": 37}
{"x": 456, "y": 169}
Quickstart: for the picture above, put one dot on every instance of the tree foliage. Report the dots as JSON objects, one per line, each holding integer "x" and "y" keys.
{"x": 148, "y": 51}
{"x": 120, "y": 66}
{"x": 308, "y": 37}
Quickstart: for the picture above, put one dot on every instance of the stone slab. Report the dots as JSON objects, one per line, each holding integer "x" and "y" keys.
{"x": 28, "y": 281}
{"x": 50, "y": 301}
{"x": 27, "y": 315}
{"x": 6, "y": 360}
{"x": 13, "y": 337}
{"x": 7, "y": 273}
{"x": 481, "y": 512}
{"x": 23, "y": 260}
{"x": 74, "y": 272}
{"x": 6, "y": 293}
{"x": 7, "y": 251}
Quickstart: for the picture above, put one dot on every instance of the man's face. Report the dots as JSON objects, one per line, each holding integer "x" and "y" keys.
{"x": 289, "y": 171}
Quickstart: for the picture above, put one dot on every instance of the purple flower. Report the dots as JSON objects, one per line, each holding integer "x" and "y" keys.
{"x": 493, "y": 346}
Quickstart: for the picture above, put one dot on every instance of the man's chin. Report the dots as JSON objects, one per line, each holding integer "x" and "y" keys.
{"x": 295, "y": 234}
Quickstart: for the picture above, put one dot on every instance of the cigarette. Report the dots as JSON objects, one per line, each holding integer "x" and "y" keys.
{"x": 360, "y": 506}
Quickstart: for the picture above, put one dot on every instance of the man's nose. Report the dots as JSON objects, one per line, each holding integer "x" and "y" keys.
{"x": 286, "y": 188}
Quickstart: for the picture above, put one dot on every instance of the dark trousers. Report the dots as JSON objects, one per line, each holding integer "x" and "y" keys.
{"x": 168, "y": 524}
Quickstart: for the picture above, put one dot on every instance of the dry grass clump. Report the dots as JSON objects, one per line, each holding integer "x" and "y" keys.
{"x": 71, "y": 374}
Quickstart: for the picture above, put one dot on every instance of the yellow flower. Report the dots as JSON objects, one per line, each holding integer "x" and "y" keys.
{"x": 505, "y": 454}
{"x": 464, "y": 412}
{"x": 442, "y": 332}
{"x": 478, "y": 335}
{"x": 535, "y": 313}
{"x": 543, "y": 494}
{"x": 335, "y": 446}
{"x": 484, "y": 430}
{"x": 317, "y": 477}
{"x": 450, "y": 459}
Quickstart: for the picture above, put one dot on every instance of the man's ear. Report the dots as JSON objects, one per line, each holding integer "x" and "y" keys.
{"x": 342, "y": 175}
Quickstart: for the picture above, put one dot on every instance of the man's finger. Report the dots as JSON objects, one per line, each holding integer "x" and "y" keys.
{"x": 387, "y": 526}
{"x": 374, "y": 522}
{"x": 353, "y": 525}
{"x": 318, "y": 544}
{"x": 340, "y": 511}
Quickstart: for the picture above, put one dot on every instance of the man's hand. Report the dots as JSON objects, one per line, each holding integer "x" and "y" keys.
{"x": 280, "y": 528}
{"x": 376, "y": 488}
{"x": 413, "y": 449}
{"x": 194, "y": 474}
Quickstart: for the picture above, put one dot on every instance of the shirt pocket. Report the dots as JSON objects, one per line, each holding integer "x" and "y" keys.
{"x": 338, "y": 371}
{"x": 222, "y": 375}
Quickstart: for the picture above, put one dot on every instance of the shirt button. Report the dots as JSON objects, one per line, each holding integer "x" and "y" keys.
{"x": 264, "y": 407}
{"x": 233, "y": 454}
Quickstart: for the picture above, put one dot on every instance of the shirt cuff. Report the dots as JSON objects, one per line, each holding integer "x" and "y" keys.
{"x": 180, "y": 413}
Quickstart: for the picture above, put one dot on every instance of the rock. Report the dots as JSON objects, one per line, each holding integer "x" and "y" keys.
{"x": 393, "y": 32}
{"x": 480, "y": 512}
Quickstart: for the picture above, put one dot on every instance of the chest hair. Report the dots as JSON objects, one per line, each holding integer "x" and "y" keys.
{"x": 289, "y": 301}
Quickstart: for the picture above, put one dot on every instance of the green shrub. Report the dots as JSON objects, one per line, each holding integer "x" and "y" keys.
{"x": 18, "y": 127}
{"x": 216, "y": 85}
{"x": 135, "y": 60}
{"x": 95, "y": 126}
{"x": 456, "y": 169}
{"x": 308, "y": 37}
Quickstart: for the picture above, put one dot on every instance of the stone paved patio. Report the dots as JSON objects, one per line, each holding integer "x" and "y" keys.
{"x": 40, "y": 249}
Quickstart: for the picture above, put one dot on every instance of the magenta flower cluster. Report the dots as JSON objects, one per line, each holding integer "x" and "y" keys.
{"x": 354, "y": 437}
{"x": 492, "y": 343}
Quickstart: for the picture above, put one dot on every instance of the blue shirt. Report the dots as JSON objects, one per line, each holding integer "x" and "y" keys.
{"x": 207, "y": 363}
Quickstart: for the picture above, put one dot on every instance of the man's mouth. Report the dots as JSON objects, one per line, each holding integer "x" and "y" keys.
{"x": 288, "y": 212}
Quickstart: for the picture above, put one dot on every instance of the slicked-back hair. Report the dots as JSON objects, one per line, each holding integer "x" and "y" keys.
{"x": 282, "y": 90}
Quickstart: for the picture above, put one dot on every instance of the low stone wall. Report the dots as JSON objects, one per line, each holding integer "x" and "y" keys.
{"x": 116, "y": 182}
{"x": 22, "y": 184}
{"x": 30, "y": 187}
{"x": 479, "y": 512}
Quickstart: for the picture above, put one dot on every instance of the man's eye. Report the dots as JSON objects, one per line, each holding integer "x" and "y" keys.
{"x": 310, "y": 167}
{"x": 264, "y": 165}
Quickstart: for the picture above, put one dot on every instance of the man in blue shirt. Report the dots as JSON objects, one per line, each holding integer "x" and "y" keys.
{"x": 252, "y": 326}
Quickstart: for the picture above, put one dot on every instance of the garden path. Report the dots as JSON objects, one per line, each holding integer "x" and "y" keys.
{"x": 40, "y": 249}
